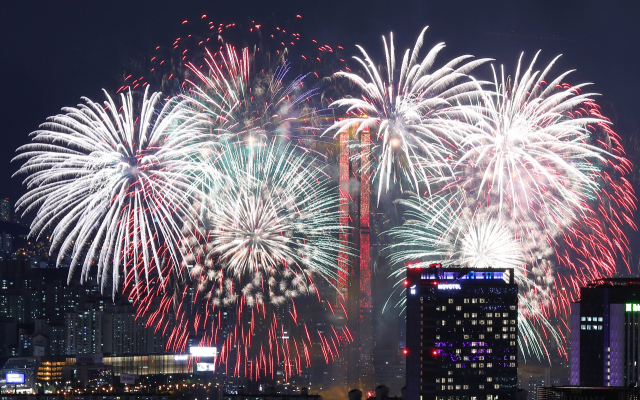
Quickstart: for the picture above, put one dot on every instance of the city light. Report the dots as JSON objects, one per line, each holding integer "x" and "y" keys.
{"x": 203, "y": 351}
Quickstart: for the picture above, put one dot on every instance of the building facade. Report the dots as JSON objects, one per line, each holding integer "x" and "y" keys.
{"x": 461, "y": 334}
{"x": 605, "y": 338}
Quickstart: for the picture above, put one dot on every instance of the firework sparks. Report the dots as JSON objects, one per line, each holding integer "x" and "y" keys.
{"x": 270, "y": 232}
{"x": 249, "y": 107}
{"x": 272, "y": 216}
{"x": 111, "y": 185}
{"x": 443, "y": 229}
{"x": 415, "y": 115}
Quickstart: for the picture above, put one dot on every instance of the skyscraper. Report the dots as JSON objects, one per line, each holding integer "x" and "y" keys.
{"x": 461, "y": 334}
{"x": 354, "y": 279}
{"x": 5, "y": 210}
{"x": 605, "y": 334}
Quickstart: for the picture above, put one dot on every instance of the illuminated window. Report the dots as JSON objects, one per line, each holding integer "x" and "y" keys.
{"x": 505, "y": 336}
{"x": 505, "y": 329}
{"x": 466, "y": 337}
{"x": 489, "y": 322}
{"x": 589, "y": 319}
{"x": 450, "y": 380}
{"x": 458, "y": 322}
{"x": 481, "y": 322}
{"x": 458, "y": 308}
{"x": 480, "y": 386}
{"x": 481, "y": 300}
{"x": 512, "y": 343}
{"x": 489, "y": 379}
{"x": 481, "y": 365}
{"x": 505, "y": 315}
{"x": 465, "y": 387}
{"x": 497, "y": 336}
{"x": 489, "y": 329}
{"x": 599, "y": 319}
{"x": 458, "y": 351}
{"x": 512, "y": 365}
{"x": 474, "y": 301}
{"x": 480, "y": 336}
{"x": 457, "y": 387}
{"x": 474, "y": 322}
{"x": 489, "y": 351}
{"x": 512, "y": 329}
{"x": 512, "y": 307}
{"x": 450, "y": 387}
{"x": 466, "y": 315}
{"x": 496, "y": 386}
{"x": 489, "y": 315}
{"x": 458, "y": 365}
{"x": 583, "y": 319}
{"x": 583, "y": 327}
{"x": 513, "y": 322}
{"x": 474, "y": 315}
{"x": 450, "y": 301}
{"x": 466, "y": 301}
{"x": 512, "y": 357}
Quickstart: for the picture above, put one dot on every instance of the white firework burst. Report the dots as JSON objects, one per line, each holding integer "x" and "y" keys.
{"x": 444, "y": 229}
{"x": 110, "y": 185}
{"x": 417, "y": 115}
{"x": 533, "y": 148}
{"x": 272, "y": 225}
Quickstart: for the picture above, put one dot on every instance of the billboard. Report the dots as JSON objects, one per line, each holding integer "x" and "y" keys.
{"x": 205, "y": 367}
{"x": 14, "y": 377}
{"x": 129, "y": 379}
{"x": 197, "y": 351}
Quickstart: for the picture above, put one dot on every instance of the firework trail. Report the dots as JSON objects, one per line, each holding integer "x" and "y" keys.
{"x": 111, "y": 184}
{"x": 273, "y": 217}
{"x": 545, "y": 156}
{"x": 415, "y": 115}
{"x": 445, "y": 229}
{"x": 245, "y": 106}
{"x": 531, "y": 150}
{"x": 543, "y": 168}
{"x": 271, "y": 231}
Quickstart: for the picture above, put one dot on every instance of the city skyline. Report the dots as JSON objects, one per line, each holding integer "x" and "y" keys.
{"x": 310, "y": 198}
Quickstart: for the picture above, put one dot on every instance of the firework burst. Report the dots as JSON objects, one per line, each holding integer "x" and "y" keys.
{"x": 272, "y": 219}
{"x": 270, "y": 232}
{"x": 415, "y": 115}
{"x": 444, "y": 229}
{"x": 545, "y": 155}
{"x": 110, "y": 186}
{"x": 246, "y": 105}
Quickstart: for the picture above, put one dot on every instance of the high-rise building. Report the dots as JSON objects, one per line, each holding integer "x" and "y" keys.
{"x": 83, "y": 332}
{"x": 355, "y": 367}
{"x": 461, "y": 334}
{"x": 5, "y": 210}
{"x": 605, "y": 334}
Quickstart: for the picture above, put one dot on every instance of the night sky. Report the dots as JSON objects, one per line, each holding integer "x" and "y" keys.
{"x": 54, "y": 52}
